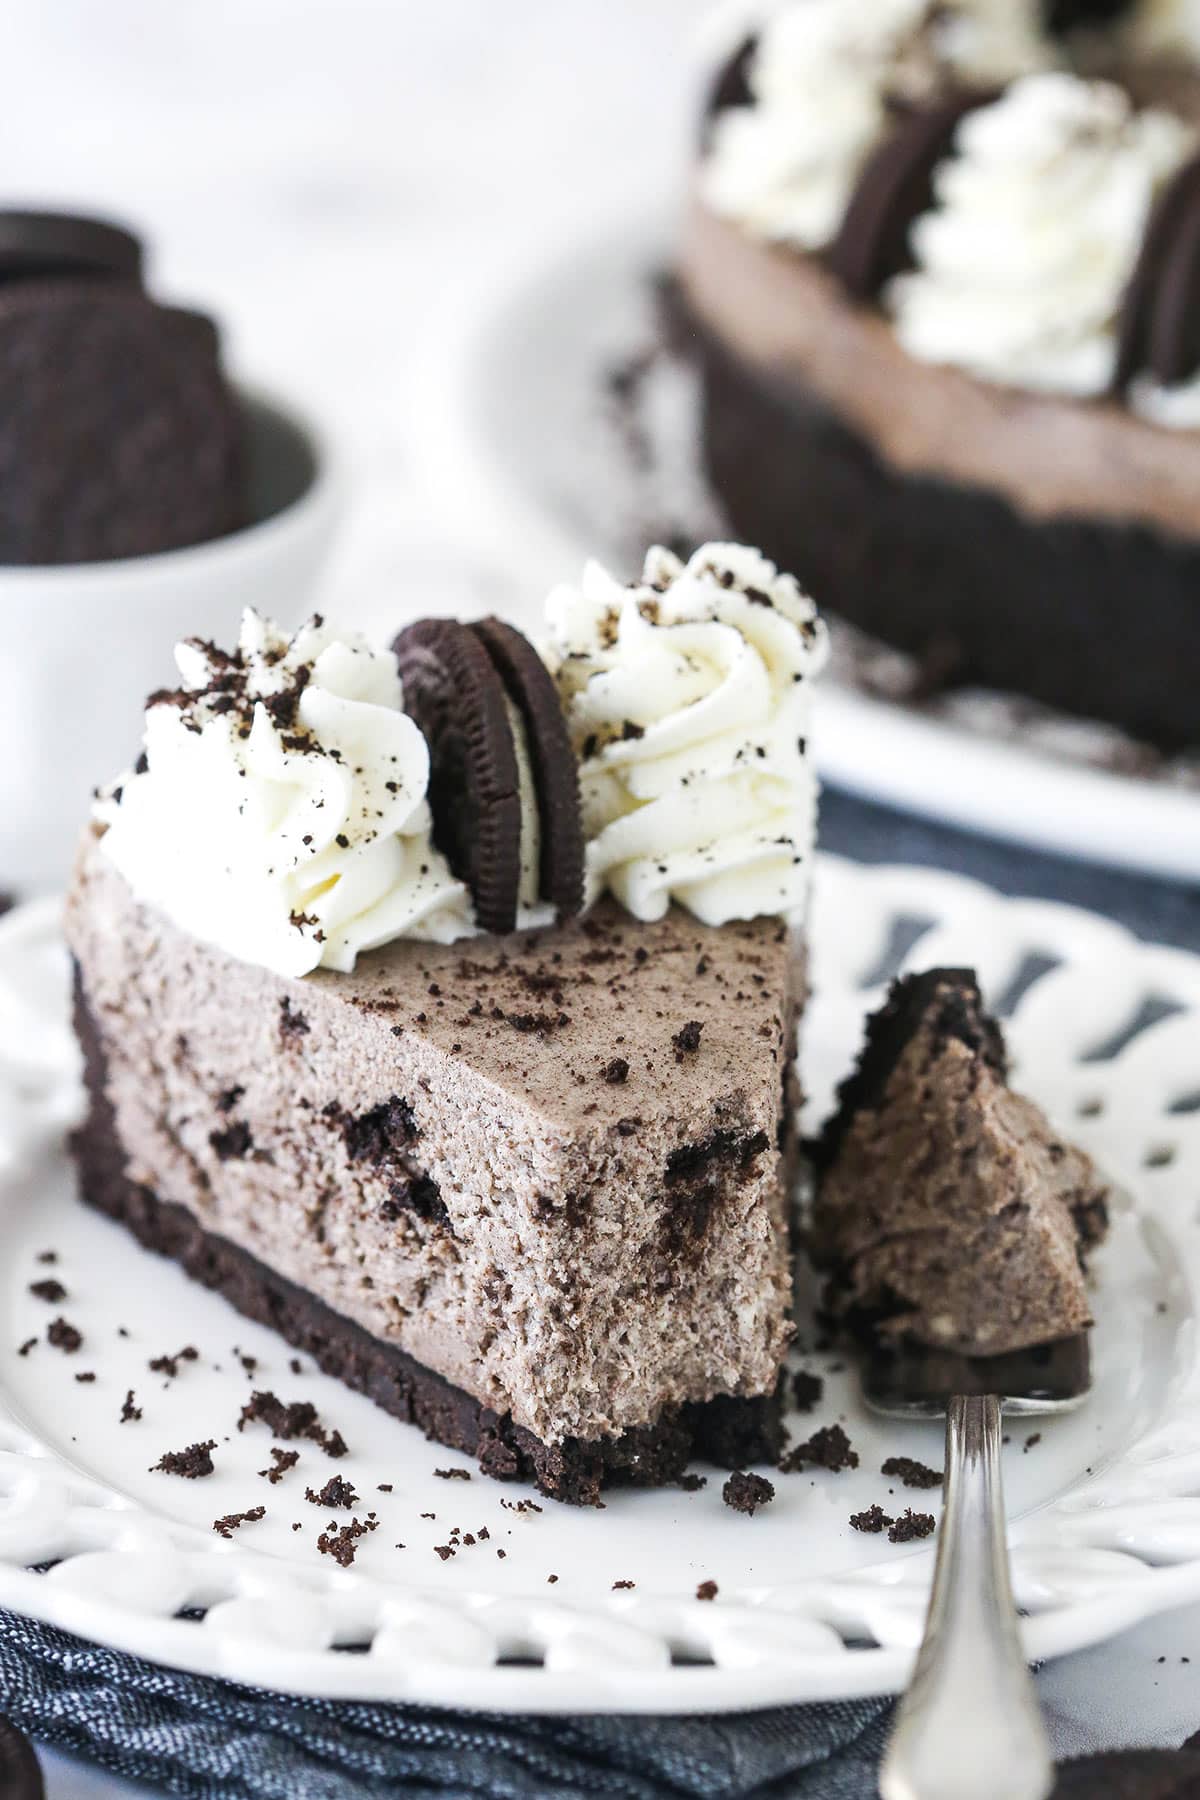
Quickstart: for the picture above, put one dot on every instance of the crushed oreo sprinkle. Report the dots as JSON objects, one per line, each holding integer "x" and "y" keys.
{"x": 337, "y": 1492}
{"x": 911, "y": 1526}
{"x": 64, "y": 1337}
{"x": 874, "y": 1519}
{"x": 193, "y": 1464}
{"x": 228, "y": 1525}
{"x": 746, "y": 1493}
{"x": 53, "y": 1292}
{"x": 829, "y": 1449}
{"x": 913, "y": 1474}
{"x": 342, "y": 1541}
{"x": 281, "y": 1462}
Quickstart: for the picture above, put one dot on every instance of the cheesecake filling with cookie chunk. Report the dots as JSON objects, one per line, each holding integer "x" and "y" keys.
{"x": 528, "y": 1189}
{"x": 950, "y": 1215}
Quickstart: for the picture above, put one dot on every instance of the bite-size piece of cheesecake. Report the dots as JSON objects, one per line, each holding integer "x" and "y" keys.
{"x": 528, "y": 1191}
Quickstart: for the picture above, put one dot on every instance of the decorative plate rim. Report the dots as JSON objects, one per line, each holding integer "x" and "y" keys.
{"x": 1113, "y": 1550}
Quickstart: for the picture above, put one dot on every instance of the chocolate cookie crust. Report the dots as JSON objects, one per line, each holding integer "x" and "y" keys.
{"x": 728, "y": 1431}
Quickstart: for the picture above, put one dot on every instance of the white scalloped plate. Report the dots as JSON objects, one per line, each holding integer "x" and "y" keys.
{"x": 1106, "y": 1506}
{"x": 518, "y": 429}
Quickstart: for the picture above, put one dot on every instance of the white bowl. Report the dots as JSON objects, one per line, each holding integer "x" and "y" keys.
{"x": 82, "y": 644}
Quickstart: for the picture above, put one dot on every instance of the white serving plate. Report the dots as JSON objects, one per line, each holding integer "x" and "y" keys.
{"x": 519, "y": 432}
{"x": 1106, "y": 1507}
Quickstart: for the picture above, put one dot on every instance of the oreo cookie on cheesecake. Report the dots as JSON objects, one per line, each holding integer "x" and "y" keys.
{"x": 120, "y": 435}
{"x": 503, "y": 785}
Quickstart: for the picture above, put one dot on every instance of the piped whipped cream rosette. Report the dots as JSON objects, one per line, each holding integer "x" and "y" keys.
{"x": 1040, "y": 212}
{"x": 688, "y": 696}
{"x": 305, "y": 799}
{"x": 279, "y": 809}
{"x": 823, "y": 78}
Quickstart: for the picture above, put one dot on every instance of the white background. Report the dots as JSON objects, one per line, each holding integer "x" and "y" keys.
{"x": 339, "y": 179}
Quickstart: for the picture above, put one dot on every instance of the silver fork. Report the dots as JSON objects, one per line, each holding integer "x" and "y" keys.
{"x": 969, "y": 1727}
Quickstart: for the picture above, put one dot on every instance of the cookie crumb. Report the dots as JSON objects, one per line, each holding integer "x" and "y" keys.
{"x": 336, "y": 1492}
{"x": 453, "y": 1474}
{"x": 130, "y": 1412}
{"x": 911, "y": 1526}
{"x": 281, "y": 1462}
{"x": 829, "y": 1449}
{"x": 686, "y": 1040}
{"x": 617, "y": 1585}
{"x": 341, "y": 1542}
{"x": 169, "y": 1365}
{"x": 64, "y": 1337}
{"x": 874, "y": 1519}
{"x": 51, "y": 1291}
{"x": 808, "y": 1391}
{"x": 913, "y": 1474}
{"x": 193, "y": 1464}
{"x": 228, "y": 1525}
{"x": 746, "y": 1493}
{"x": 707, "y": 1590}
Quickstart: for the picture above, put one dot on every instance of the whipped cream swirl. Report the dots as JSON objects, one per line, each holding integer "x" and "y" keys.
{"x": 821, "y": 78}
{"x": 1041, "y": 212}
{"x": 784, "y": 167}
{"x": 279, "y": 808}
{"x": 688, "y": 696}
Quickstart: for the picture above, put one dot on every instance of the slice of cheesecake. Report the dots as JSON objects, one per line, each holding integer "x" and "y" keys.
{"x": 950, "y": 1215}
{"x": 527, "y": 1189}
{"x": 527, "y": 1193}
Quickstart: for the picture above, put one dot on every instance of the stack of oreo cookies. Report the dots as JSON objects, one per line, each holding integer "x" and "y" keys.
{"x": 119, "y": 434}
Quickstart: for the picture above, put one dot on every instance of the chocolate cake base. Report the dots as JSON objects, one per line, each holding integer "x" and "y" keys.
{"x": 731, "y": 1432}
{"x": 1094, "y": 618}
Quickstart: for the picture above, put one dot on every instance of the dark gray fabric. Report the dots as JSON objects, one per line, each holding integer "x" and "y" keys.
{"x": 209, "y": 1740}
{"x": 1163, "y": 911}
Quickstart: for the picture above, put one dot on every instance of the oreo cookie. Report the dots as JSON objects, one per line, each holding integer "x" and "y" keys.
{"x": 730, "y": 88}
{"x": 893, "y": 190}
{"x": 20, "y": 1776}
{"x": 1173, "y": 349}
{"x": 51, "y": 246}
{"x": 119, "y": 435}
{"x": 529, "y": 687}
{"x": 457, "y": 680}
{"x": 1062, "y": 17}
{"x": 1150, "y": 333}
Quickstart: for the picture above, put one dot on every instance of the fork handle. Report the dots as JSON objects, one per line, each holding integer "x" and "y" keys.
{"x": 969, "y": 1727}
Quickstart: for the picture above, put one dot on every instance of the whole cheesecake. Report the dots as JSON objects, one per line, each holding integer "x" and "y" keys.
{"x": 940, "y": 272}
